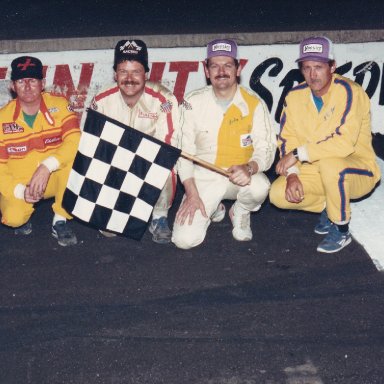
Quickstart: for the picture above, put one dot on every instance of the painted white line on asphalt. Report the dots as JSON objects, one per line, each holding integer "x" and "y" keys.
{"x": 305, "y": 373}
{"x": 367, "y": 223}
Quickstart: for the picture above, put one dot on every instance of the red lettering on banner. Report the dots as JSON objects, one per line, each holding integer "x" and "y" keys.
{"x": 243, "y": 62}
{"x": 183, "y": 68}
{"x": 157, "y": 71}
{"x": 63, "y": 85}
{"x": 3, "y": 72}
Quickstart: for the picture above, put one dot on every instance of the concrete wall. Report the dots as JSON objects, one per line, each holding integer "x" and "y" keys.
{"x": 195, "y": 40}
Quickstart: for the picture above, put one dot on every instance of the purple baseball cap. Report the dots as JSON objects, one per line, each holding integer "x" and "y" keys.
{"x": 222, "y": 47}
{"x": 316, "y": 49}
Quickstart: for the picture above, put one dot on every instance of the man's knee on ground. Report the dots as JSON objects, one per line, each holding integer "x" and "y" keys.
{"x": 14, "y": 217}
{"x": 184, "y": 239}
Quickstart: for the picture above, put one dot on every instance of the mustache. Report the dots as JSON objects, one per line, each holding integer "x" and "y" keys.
{"x": 130, "y": 82}
{"x": 222, "y": 77}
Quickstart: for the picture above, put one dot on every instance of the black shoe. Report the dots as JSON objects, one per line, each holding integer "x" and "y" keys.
{"x": 24, "y": 229}
{"x": 161, "y": 233}
{"x": 63, "y": 233}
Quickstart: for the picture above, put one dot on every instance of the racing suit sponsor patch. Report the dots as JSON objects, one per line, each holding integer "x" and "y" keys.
{"x": 17, "y": 149}
{"x": 186, "y": 105}
{"x": 52, "y": 140}
{"x": 12, "y": 128}
{"x": 245, "y": 140}
{"x": 166, "y": 106}
{"x": 93, "y": 104}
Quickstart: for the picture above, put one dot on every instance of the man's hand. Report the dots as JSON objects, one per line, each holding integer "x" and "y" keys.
{"x": 190, "y": 204}
{"x": 284, "y": 163}
{"x": 294, "y": 192}
{"x": 36, "y": 186}
{"x": 240, "y": 175}
{"x": 28, "y": 197}
{"x": 188, "y": 208}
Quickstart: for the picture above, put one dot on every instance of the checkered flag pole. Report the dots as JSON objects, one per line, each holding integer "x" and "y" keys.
{"x": 117, "y": 176}
{"x": 205, "y": 164}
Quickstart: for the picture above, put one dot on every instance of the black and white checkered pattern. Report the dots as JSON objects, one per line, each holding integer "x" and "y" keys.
{"x": 117, "y": 176}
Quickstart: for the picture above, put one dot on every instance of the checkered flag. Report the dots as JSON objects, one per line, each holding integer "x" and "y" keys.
{"x": 117, "y": 176}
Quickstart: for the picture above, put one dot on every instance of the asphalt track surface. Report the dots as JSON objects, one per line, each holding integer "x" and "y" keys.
{"x": 114, "y": 310}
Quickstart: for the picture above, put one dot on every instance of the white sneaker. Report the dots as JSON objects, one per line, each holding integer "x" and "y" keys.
{"x": 107, "y": 233}
{"x": 219, "y": 214}
{"x": 241, "y": 224}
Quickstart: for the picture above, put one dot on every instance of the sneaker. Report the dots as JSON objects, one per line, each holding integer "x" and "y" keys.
{"x": 24, "y": 229}
{"x": 161, "y": 233}
{"x": 63, "y": 233}
{"x": 334, "y": 241}
{"x": 107, "y": 233}
{"x": 219, "y": 214}
{"x": 324, "y": 224}
{"x": 241, "y": 225}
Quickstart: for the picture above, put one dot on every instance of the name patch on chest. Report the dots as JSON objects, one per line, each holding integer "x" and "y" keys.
{"x": 148, "y": 115}
{"x": 245, "y": 140}
{"x": 9, "y": 128}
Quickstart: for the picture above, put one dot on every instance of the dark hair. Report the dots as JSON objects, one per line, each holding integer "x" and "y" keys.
{"x": 330, "y": 63}
{"x": 121, "y": 61}
{"x": 237, "y": 63}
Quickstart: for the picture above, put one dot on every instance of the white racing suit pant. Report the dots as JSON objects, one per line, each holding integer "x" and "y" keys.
{"x": 213, "y": 188}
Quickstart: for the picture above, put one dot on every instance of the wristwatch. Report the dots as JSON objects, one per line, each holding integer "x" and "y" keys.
{"x": 295, "y": 154}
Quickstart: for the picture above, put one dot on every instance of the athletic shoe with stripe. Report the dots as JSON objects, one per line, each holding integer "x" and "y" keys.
{"x": 241, "y": 222}
{"x": 324, "y": 224}
{"x": 24, "y": 229}
{"x": 335, "y": 241}
{"x": 219, "y": 214}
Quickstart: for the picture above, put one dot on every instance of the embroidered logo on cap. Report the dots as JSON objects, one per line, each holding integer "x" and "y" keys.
{"x": 221, "y": 47}
{"x": 130, "y": 47}
{"x": 24, "y": 66}
{"x": 313, "y": 48}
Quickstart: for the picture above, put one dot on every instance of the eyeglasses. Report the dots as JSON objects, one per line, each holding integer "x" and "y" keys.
{"x": 24, "y": 82}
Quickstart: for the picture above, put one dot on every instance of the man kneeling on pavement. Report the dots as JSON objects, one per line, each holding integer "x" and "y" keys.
{"x": 38, "y": 142}
{"x": 228, "y": 125}
{"x": 148, "y": 107}
{"x": 325, "y": 144}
